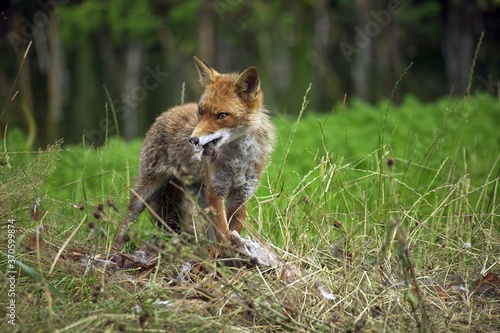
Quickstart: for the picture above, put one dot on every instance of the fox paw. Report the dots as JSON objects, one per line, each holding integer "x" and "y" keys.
{"x": 220, "y": 251}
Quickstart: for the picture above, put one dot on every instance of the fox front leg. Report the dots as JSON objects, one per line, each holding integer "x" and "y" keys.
{"x": 237, "y": 204}
{"x": 215, "y": 203}
{"x": 237, "y": 216}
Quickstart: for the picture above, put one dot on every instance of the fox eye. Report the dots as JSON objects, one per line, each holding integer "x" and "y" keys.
{"x": 200, "y": 111}
{"x": 221, "y": 115}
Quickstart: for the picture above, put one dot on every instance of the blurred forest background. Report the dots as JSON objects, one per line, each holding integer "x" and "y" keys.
{"x": 141, "y": 53}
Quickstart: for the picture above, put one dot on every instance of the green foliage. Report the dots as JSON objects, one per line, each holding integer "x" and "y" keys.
{"x": 411, "y": 129}
{"x": 420, "y": 137}
{"x": 81, "y": 20}
{"x": 357, "y": 213}
{"x": 132, "y": 21}
{"x": 126, "y": 21}
{"x": 429, "y": 143}
{"x": 419, "y": 18}
{"x": 91, "y": 176}
{"x": 338, "y": 171}
{"x": 24, "y": 176}
{"x": 181, "y": 15}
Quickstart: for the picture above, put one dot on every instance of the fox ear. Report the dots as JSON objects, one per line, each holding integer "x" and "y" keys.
{"x": 207, "y": 74}
{"x": 248, "y": 84}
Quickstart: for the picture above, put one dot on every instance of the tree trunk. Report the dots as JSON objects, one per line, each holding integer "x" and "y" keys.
{"x": 321, "y": 43}
{"x": 175, "y": 62}
{"x": 458, "y": 43}
{"x": 24, "y": 81}
{"x": 55, "y": 87}
{"x": 133, "y": 92}
{"x": 360, "y": 68}
{"x": 389, "y": 63}
{"x": 112, "y": 72}
{"x": 86, "y": 110}
{"x": 206, "y": 33}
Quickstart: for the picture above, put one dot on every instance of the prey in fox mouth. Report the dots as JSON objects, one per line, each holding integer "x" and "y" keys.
{"x": 209, "y": 147}
{"x": 197, "y": 145}
{"x": 207, "y": 144}
{"x": 200, "y": 149}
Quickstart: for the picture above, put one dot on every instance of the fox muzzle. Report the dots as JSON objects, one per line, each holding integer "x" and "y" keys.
{"x": 194, "y": 141}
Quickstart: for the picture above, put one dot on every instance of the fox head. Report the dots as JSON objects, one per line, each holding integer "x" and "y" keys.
{"x": 228, "y": 106}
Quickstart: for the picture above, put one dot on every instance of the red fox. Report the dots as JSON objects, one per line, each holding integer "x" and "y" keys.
{"x": 218, "y": 147}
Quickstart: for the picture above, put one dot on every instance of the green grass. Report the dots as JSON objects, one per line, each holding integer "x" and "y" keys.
{"x": 393, "y": 211}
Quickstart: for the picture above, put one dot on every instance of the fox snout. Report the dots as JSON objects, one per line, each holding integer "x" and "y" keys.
{"x": 194, "y": 141}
